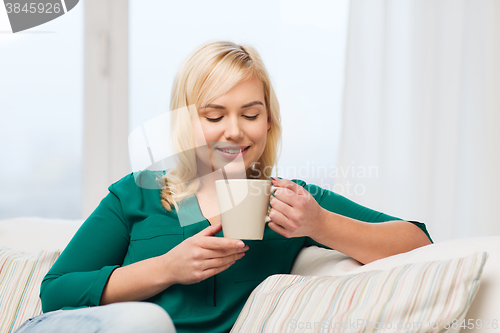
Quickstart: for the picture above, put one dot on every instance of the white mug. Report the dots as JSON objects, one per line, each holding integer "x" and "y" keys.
{"x": 243, "y": 205}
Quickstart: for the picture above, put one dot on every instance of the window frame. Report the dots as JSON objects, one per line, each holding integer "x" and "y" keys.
{"x": 106, "y": 103}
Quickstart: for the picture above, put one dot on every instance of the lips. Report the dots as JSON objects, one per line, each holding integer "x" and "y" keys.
{"x": 232, "y": 148}
{"x": 231, "y": 151}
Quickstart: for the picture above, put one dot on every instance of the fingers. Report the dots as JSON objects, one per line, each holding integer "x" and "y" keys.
{"x": 279, "y": 229}
{"x": 210, "y": 254}
{"x": 214, "y": 266}
{"x": 287, "y": 200}
{"x": 215, "y": 247}
{"x": 216, "y": 270}
{"x": 285, "y": 195}
{"x": 280, "y": 206}
{"x": 289, "y": 192}
{"x": 203, "y": 255}
{"x": 217, "y": 242}
{"x": 281, "y": 220}
{"x": 288, "y": 184}
{"x": 222, "y": 261}
{"x": 211, "y": 230}
{"x": 220, "y": 243}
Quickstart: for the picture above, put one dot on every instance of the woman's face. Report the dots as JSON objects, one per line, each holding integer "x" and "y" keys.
{"x": 234, "y": 127}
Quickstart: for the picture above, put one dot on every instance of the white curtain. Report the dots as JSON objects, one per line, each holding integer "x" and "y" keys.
{"x": 421, "y": 114}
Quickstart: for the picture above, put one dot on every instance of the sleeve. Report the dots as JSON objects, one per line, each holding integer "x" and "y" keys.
{"x": 79, "y": 275}
{"x": 339, "y": 204}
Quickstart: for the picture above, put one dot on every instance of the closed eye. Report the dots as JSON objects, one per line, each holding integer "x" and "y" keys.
{"x": 214, "y": 120}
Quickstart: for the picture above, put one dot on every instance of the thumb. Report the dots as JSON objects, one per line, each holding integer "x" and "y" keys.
{"x": 211, "y": 230}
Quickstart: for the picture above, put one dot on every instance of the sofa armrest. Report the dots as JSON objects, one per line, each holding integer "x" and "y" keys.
{"x": 33, "y": 234}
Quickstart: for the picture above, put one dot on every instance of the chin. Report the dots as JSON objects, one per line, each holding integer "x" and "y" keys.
{"x": 238, "y": 172}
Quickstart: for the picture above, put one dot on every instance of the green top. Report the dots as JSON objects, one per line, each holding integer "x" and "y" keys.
{"x": 130, "y": 225}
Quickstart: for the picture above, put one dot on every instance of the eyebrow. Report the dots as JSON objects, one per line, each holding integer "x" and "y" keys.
{"x": 215, "y": 106}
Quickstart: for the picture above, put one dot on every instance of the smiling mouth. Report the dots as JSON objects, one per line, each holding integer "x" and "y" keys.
{"x": 232, "y": 150}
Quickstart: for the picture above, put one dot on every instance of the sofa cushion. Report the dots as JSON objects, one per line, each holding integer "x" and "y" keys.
{"x": 418, "y": 297}
{"x": 21, "y": 274}
{"x": 28, "y": 248}
{"x": 484, "y": 309}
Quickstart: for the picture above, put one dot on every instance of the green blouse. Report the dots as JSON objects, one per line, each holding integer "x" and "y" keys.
{"x": 130, "y": 225}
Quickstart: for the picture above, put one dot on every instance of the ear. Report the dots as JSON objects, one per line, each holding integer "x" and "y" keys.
{"x": 268, "y": 123}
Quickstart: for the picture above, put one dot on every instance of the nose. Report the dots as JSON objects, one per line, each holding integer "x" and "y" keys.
{"x": 233, "y": 130}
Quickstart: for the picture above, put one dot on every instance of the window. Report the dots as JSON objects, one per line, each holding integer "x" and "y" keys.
{"x": 41, "y": 104}
{"x": 302, "y": 45}
{"x": 41, "y": 90}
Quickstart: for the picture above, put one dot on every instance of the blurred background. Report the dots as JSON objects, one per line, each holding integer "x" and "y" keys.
{"x": 393, "y": 104}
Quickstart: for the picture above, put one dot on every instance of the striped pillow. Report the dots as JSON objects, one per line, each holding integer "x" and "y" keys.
{"x": 21, "y": 274}
{"x": 419, "y": 297}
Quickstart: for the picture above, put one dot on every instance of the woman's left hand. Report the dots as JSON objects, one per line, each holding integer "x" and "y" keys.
{"x": 294, "y": 213}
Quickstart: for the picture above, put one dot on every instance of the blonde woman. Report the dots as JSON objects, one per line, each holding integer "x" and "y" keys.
{"x": 134, "y": 266}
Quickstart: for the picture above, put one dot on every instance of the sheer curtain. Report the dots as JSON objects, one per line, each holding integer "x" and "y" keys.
{"x": 421, "y": 115}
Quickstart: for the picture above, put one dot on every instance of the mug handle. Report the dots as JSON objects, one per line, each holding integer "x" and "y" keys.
{"x": 273, "y": 188}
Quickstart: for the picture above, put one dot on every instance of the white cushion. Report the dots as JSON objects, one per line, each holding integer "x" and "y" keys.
{"x": 33, "y": 234}
{"x": 319, "y": 261}
{"x": 418, "y": 297}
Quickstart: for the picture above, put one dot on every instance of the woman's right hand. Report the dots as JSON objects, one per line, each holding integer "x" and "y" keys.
{"x": 202, "y": 256}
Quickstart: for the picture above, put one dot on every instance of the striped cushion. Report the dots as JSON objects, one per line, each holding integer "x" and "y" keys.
{"x": 418, "y": 297}
{"x": 21, "y": 274}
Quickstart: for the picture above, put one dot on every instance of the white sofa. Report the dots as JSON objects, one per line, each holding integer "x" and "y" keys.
{"x": 36, "y": 234}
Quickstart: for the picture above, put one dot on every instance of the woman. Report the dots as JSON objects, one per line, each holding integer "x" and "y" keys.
{"x": 165, "y": 246}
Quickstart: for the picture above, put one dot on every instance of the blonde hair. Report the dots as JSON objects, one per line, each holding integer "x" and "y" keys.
{"x": 209, "y": 72}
